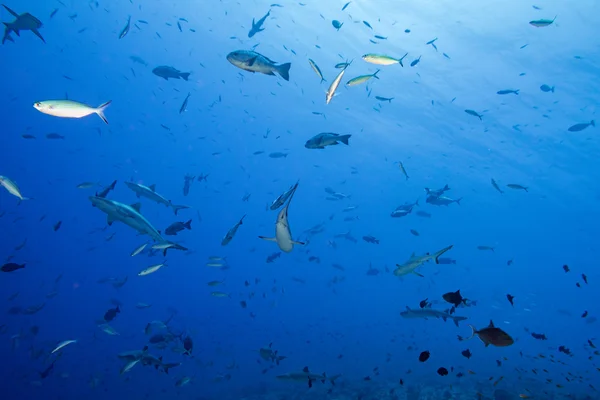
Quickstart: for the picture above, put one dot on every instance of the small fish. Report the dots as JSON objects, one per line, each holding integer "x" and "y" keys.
{"x": 380, "y": 59}
{"x": 540, "y": 23}
{"x": 582, "y": 126}
{"x": 508, "y": 91}
{"x": 402, "y": 169}
{"x": 62, "y": 345}
{"x": 346, "y": 5}
{"x": 183, "y": 107}
{"x": 138, "y": 250}
{"x": 517, "y": 186}
{"x": 546, "y": 88}
{"x": 231, "y": 233}
{"x": 484, "y": 248}
{"x": 337, "y": 24}
{"x": 333, "y": 87}
{"x": 11, "y": 187}
{"x": 368, "y": 25}
{"x": 151, "y": 269}
{"x": 475, "y": 114}
{"x": 70, "y": 109}
{"x": 566, "y": 268}
{"x": 414, "y": 232}
{"x": 362, "y": 79}
{"x": 381, "y": 98}
{"x": 511, "y": 299}
{"x": 317, "y": 70}
{"x": 57, "y": 226}
{"x": 415, "y": 62}
{"x": 220, "y": 294}
{"x": 125, "y": 30}
{"x": 54, "y": 136}
{"x": 495, "y": 185}
{"x": 424, "y": 356}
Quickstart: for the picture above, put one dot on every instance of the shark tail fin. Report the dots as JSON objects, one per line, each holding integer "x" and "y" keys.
{"x": 185, "y": 76}
{"x": 344, "y": 139}
{"x": 188, "y": 225}
{"x": 176, "y": 208}
{"x": 474, "y": 331}
{"x": 100, "y": 110}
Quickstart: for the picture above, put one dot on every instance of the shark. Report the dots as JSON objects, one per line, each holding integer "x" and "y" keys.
{"x": 415, "y": 262}
{"x": 307, "y": 376}
{"x": 279, "y": 201}
{"x": 23, "y": 22}
{"x": 127, "y": 214}
{"x": 283, "y": 235}
{"x": 431, "y": 313}
{"x": 149, "y": 192}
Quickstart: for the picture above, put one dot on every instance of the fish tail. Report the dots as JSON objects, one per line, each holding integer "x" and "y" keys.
{"x": 401, "y": 59}
{"x": 100, "y": 111}
{"x": 284, "y": 70}
{"x": 460, "y": 198}
{"x": 592, "y": 123}
{"x": 472, "y": 333}
{"x": 344, "y": 139}
{"x": 185, "y": 76}
{"x": 375, "y": 74}
{"x": 188, "y": 225}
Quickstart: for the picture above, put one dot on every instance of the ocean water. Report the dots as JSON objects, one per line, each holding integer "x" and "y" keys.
{"x": 332, "y": 306}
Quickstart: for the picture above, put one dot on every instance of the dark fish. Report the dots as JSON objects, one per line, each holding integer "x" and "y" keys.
{"x": 54, "y": 136}
{"x": 167, "y": 72}
{"x": 125, "y": 30}
{"x": 346, "y": 5}
{"x": 371, "y": 239}
{"x": 492, "y": 335}
{"x": 475, "y": 114}
{"x": 27, "y": 136}
{"x": 111, "y": 314}
{"x": 106, "y": 190}
{"x": 177, "y": 227}
{"x": 243, "y": 304}
{"x": 188, "y": 345}
{"x": 446, "y": 260}
{"x": 424, "y": 356}
{"x": 415, "y": 62}
{"x": 584, "y": 278}
{"x": 424, "y": 303}
{"x": 585, "y": 314}
{"x": 539, "y": 336}
{"x": 367, "y": 25}
{"x": 508, "y": 91}
{"x": 273, "y": 257}
{"x": 442, "y": 371}
{"x": 11, "y": 267}
{"x": 57, "y": 226}
{"x": 466, "y": 353}
{"x": 454, "y": 298}
{"x": 546, "y": 88}
{"x": 44, "y": 374}
{"x": 510, "y": 299}
{"x": 582, "y": 126}
{"x": 565, "y": 350}
{"x": 184, "y": 105}
{"x": 423, "y": 214}
{"x": 337, "y": 24}
{"x": 257, "y": 26}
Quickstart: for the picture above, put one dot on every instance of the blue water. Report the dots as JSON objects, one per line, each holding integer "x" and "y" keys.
{"x": 330, "y": 320}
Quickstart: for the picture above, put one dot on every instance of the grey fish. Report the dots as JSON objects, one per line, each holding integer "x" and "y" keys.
{"x": 177, "y": 227}
{"x": 280, "y": 201}
{"x": 254, "y": 62}
{"x": 580, "y": 127}
{"x": 442, "y": 200}
{"x": 414, "y": 262}
{"x": 426, "y": 313}
{"x": 167, "y": 72}
{"x": 257, "y": 26}
{"x": 508, "y": 91}
{"x": 326, "y": 139}
{"x": 231, "y": 233}
{"x": 547, "y": 88}
{"x": 474, "y": 113}
{"x": 23, "y": 22}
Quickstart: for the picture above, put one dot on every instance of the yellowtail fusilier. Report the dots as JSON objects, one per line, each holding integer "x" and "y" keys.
{"x": 362, "y": 79}
{"x": 380, "y": 59}
{"x": 11, "y": 187}
{"x": 70, "y": 109}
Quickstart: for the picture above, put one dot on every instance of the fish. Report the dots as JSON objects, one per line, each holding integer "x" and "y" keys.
{"x": 128, "y": 214}
{"x": 475, "y": 114}
{"x": 62, "y": 345}
{"x": 149, "y": 192}
{"x": 362, "y": 79}
{"x": 381, "y": 98}
{"x": 166, "y": 72}
{"x": 334, "y": 85}
{"x": 283, "y": 234}
{"x": 307, "y": 376}
{"x": 252, "y": 61}
{"x": 257, "y": 26}
{"x": 346, "y": 5}
{"x": 317, "y": 70}
{"x": 508, "y": 91}
{"x": 280, "y": 201}
{"x": 111, "y": 314}
{"x": 70, "y": 109}
{"x": 231, "y": 232}
{"x": 138, "y": 250}
{"x": 12, "y": 187}
{"x": 547, "y": 88}
{"x": 151, "y": 269}
{"x": 427, "y": 312}
{"x": 380, "y": 59}
{"x": 492, "y": 335}
{"x": 177, "y": 227}
{"x": 106, "y": 190}
{"x": 11, "y": 267}
{"x": 414, "y": 262}
{"x": 495, "y": 185}
{"x": 517, "y": 186}
{"x": 321, "y": 140}
{"x": 540, "y": 23}
{"x": 54, "y": 136}
{"x": 402, "y": 169}
{"x": 183, "y": 107}
{"x": 125, "y": 30}
{"x": 337, "y": 24}
{"x": 442, "y": 200}
{"x": 415, "y": 62}
{"x": 582, "y": 126}
{"x": 23, "y": 22}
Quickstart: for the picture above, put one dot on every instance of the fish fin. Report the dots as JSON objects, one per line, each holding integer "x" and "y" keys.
{"x": 375, "y": 74}
{"x": 455, "y": 321}
{"x": 344, "y": 139}
{"x": 300, "y": 243}
{"x": 418, "y": 274}
{"x": 460, "y": 198}
{"x": 593, "y": 123}
{"x": 136, "y": 206}
{"x": 176, "y": 208}
{"x": 109, "y": 220}
{"x": 474, "y": 331}
{"x": 284, "y": 70}
{"x": 251, "y": 61}
{"x": 242, "y": 219}
{"x": 267, "y": 239}
{"x": 188, "y": 225}
{"x": 491, "y": 324}
{"x": 38, "y": 34}
{"x": 11, "y": 11}
{"x": 305, "y": 370}
{"x": 401, "y": 59}
{"x": 100, "y": 110}
{"x": 185, "y": 75}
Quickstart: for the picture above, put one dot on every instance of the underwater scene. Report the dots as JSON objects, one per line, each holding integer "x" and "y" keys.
{"x": 336, "y": 200}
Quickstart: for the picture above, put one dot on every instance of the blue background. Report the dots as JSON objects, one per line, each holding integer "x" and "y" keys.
{"x": 522, "y": 139}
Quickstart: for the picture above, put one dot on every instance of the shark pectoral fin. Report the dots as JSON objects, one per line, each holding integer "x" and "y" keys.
{"x": 11, "y": 11}
{"x": 38, "y": 34}
{"x": 137, "y": 206}
{"x": 300, "y": 243}
{"x": 109, "y": 220}
{"x": 418, "y": 274}
{"x": 268, "y": 239}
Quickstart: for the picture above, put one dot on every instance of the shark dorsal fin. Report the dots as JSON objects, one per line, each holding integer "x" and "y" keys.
{"x": 305, "y": 369}
{"x": 137, "y": 206}
{"x": 152, "y": 187}
{"x": 491, "y": 324}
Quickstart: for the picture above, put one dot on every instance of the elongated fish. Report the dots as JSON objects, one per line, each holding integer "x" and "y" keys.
{"x": 11, "y": 187}
{"x": 283, "y": 235}
{"x": 415, "y": 262}
{"x": 333, "y": 87}
{"x": 70, "y": 109}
